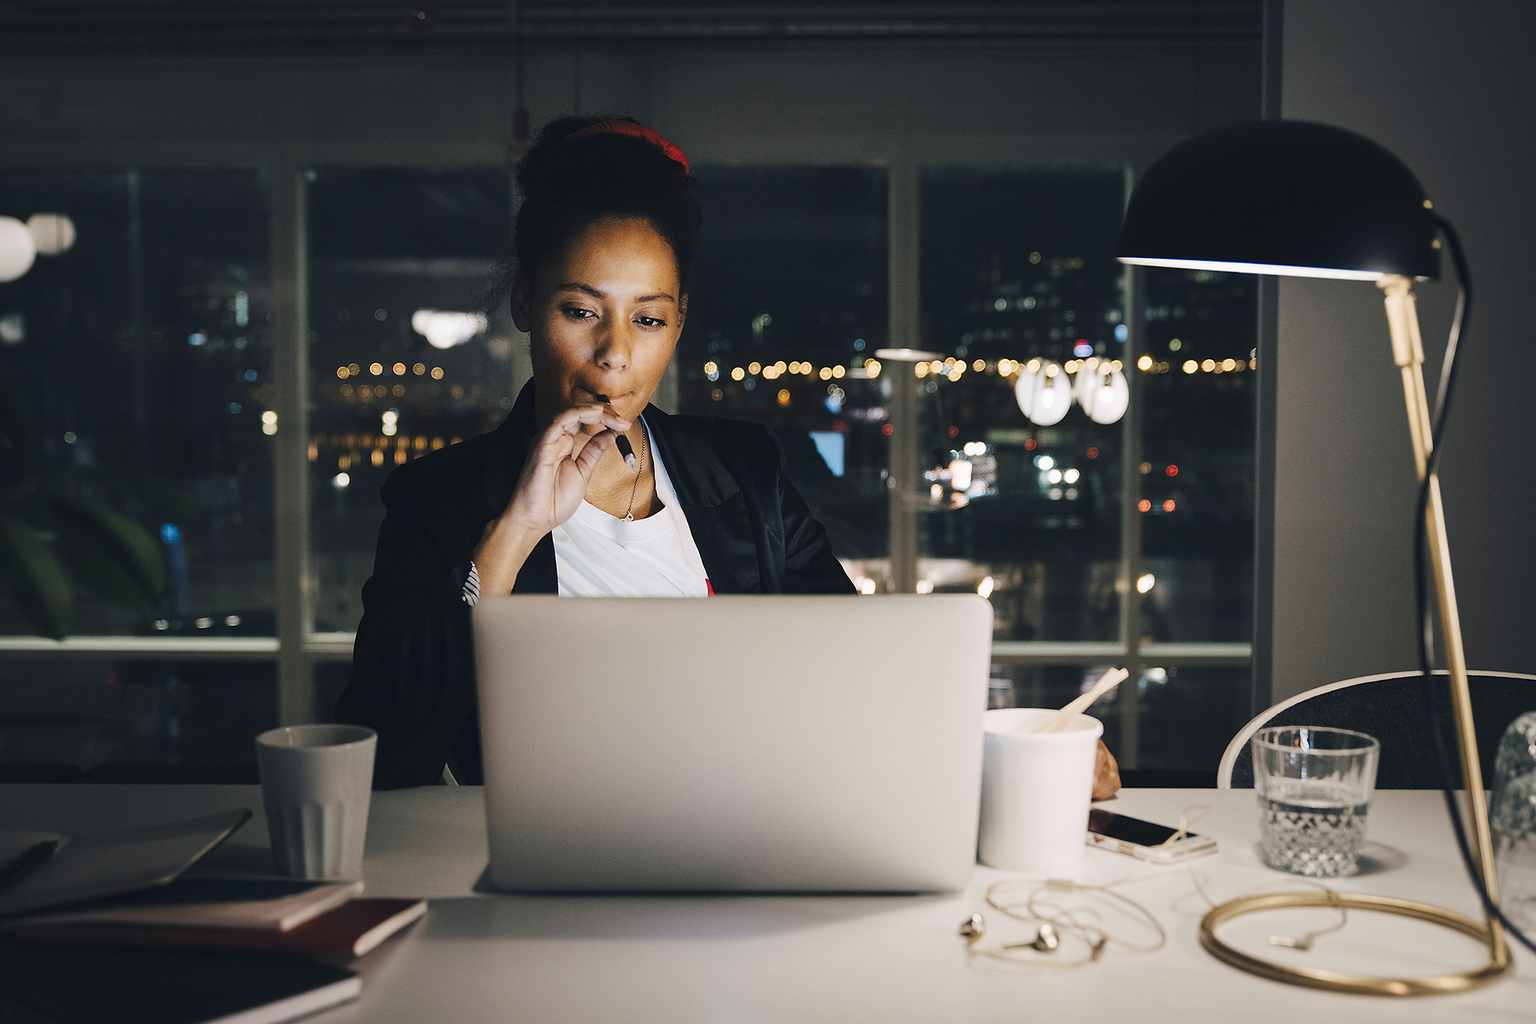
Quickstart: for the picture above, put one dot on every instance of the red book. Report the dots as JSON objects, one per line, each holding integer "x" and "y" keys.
{"x": 350, "y": 930}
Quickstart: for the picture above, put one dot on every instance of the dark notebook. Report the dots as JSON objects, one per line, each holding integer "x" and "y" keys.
{"x": 351, "y": 930}
{"x": 256, "y": 903}
{"x": 47, "y": 984}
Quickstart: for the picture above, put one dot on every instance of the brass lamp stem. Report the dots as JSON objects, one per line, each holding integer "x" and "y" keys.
{"x": 1408, "y": 353}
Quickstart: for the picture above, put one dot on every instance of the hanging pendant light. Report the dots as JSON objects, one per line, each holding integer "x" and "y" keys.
{"x": 1082, "y": 377}
{"x": 52, "y": 233}
{"x": 1044, "y": 394}
{"x": 1104, "y": 393}
{"x": 17, "y": 250}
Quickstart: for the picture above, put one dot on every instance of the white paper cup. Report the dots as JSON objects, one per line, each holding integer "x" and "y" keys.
{"x": 316, "y": 781}
{"x": 1035, "y": 790}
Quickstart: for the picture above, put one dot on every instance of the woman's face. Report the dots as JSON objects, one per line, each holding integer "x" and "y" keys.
{"x": 603, "y": 318}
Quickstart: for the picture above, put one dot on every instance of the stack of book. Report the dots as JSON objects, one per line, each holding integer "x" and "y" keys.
{"x": 234, "y": 913}
{"x": 108, "y": 928}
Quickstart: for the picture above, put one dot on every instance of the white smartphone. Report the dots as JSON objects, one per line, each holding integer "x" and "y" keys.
{"x": 1121, "y": 833}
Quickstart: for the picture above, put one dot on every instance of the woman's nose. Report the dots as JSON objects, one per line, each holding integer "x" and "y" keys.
{"x": 613, "y": 349}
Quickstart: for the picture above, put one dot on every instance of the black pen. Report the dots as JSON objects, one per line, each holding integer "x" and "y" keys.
{"x": 625, "y": 448}
{"x": 628, "y": 453}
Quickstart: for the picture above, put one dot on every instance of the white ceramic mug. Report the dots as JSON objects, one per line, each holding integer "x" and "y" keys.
{"x": 316, "y": 781}
{"x": 1035, "y": 791}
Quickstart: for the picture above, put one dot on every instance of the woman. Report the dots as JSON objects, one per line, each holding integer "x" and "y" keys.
{"x": 549, "y": 502}
{"x": 546, "y": 503}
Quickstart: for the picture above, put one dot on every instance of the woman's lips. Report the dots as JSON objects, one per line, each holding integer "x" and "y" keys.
{"x": 600, "y": 396}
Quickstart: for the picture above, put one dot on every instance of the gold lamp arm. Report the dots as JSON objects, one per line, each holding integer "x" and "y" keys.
{"x": 1408, "y": 353}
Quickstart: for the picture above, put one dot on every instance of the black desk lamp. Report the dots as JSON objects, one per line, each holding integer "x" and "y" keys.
{"x": 1309, "y": 200}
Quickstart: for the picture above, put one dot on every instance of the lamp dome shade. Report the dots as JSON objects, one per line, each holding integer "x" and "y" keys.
{"x": 1282, "y": 197}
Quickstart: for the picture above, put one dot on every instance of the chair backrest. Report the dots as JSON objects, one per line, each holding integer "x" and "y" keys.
{"x": 1392, "y": 708}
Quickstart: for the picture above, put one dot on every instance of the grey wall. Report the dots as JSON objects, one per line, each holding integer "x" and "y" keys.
{"x": 1448, "y": 88}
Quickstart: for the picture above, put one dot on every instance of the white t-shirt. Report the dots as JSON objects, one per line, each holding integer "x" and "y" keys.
{"x": 597, "y": 555}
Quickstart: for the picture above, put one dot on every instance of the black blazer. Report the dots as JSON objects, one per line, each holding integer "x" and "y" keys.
{"x": 413, "y": 676}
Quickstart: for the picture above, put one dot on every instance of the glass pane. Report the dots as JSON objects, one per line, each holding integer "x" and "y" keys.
{"x": 404, "y": 356}
{"x": 93, "y": 711}
{"x": 1198, "y": 442}
{"x": 1186, "y": 714}
{"x": 1046, "y": 686}
{"x": 330, "y": 678}
{"x": 788, "y": 301}
{"x": 1019, "y": 276}
{"x": 143, "y": 352}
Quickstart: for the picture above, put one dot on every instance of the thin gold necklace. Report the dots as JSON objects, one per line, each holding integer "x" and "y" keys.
{"x": 645, "y": 447}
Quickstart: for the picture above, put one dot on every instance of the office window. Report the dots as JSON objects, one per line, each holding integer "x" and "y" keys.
{"x": 329, "y": 678}
{"x": 143, "y": 362}
{"x": 89, "y": 711}
{"x": 146, "y": 350}
{"x": 1019, "y": 277}
{"x": 1188, "y": 714}
{"x": 404, "y": 356}
{"x": 1197, "y": 378}
{"x": 1051, "y": 686}
{"x": 788, "y": 303}
{"x": 1019, "y": 284}
{"x": 1184, "y": 714}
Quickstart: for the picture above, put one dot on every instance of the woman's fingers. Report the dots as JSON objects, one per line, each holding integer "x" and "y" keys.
{"x": 586, "y": 460}
{"x": 572, "y": 429}
{"x": 555, "y": 477}
{"x": 571, "y": 422}
{"x": 549, "y": 490}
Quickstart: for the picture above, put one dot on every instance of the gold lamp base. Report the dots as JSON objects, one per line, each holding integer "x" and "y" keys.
{"x": 1359, "y": 984}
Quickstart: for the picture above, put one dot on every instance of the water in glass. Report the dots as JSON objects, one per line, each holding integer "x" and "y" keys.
{"x": 1311, "y": 830}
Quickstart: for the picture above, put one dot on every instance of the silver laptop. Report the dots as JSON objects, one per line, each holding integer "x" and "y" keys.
{"x": 742, "y": 743}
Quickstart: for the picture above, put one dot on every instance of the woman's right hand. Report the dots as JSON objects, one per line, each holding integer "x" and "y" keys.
{"x": 549, "y": 490}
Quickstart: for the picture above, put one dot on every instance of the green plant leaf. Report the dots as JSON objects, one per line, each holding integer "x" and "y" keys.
{"x": 35, "y": 578}
{"x": 113, "y": 557}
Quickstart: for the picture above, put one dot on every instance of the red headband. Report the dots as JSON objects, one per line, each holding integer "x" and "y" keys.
{"x": 638, "y": 131}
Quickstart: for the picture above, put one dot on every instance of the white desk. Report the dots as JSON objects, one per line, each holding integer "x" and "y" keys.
{"x": 742, "y": 960}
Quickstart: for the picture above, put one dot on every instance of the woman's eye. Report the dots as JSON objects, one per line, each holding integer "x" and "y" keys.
{"x": 577, "y": 313}
{"x": 650, "y": 321}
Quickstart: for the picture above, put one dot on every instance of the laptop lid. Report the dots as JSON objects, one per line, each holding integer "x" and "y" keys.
{"x": 746, "y": 743}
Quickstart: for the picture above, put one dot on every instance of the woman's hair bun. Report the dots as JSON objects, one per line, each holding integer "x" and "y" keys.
{"x": 566, "y": 184}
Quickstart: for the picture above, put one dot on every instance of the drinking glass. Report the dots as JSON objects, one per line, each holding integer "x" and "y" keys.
{"x": 1313, "y": 786}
